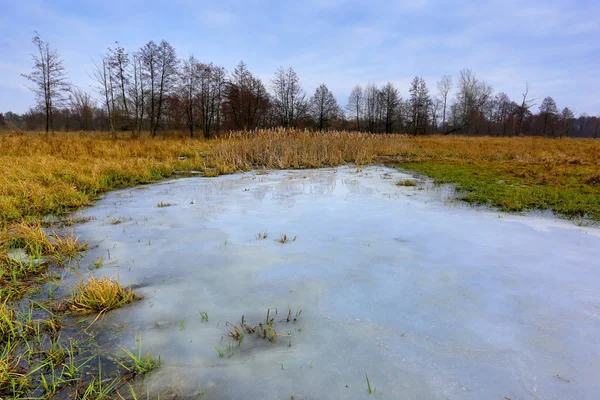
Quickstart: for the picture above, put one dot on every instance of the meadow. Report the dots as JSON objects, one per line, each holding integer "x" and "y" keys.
{"x": 53, "y": 175}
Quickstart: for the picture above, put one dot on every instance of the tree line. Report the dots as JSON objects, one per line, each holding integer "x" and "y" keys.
{"x": 152, "y": 89}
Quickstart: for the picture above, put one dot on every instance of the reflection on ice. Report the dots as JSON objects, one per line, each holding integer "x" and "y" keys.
{"x": 431, "y": 300}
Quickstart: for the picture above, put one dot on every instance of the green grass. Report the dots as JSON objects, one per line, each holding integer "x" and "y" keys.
{"x": 284, "y": 238}
{"x": 143, "y": 363}
{"x": 510, "y": 187}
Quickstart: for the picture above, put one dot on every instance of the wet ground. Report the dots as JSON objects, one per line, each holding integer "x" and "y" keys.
{"x": 431, "y": 300}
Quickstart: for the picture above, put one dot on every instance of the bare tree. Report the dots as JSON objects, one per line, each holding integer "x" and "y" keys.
{"x": 419, "y": 105}
{"x": 567, "y": 117}
{"x": 323, "y": 107}
{"x": 471, "y": 97}
{"x": 189, "y": 76}
{"x": 434, "y": 108}
{"x": 548, "y": 111}
{"x": 49, "y": 79}
{"x": 160, "y": 68}
{"x": 370, "y": 106}
{"x": 83, "y": 106}
{"x": 288, "y": 97}
{"x": 137, "y": 92}
{"x": 354, "y": 107}
{"x": 211, "y": 83}
{"x": 444, "y": 87}
{"x": 103, "y": 75}
{"x": 390, "y": 102}
{"x": 524, "y": 109}
{"x": 246, "y": 100}
{"x": 118, "y": 60}
{"x": 167, "y": 74}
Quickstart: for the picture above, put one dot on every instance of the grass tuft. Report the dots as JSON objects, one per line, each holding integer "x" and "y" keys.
{"x": 284, "y": 238}
{"x": 100, "y": 295}
{"x": 262, "y": 235}
{"x": 8, "y": 323}
{"x": 143, "y": 363}
{"x": 406, "y": 182}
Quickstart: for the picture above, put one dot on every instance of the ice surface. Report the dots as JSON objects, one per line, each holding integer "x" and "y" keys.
{"x": 432, "y": 301}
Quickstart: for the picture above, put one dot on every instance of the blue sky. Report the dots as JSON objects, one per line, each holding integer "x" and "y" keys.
{"x": 554, "y": 45}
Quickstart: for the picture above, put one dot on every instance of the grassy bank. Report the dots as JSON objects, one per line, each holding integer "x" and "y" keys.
{"x": 512, "y": 187}
{"x": 53, "y": 175}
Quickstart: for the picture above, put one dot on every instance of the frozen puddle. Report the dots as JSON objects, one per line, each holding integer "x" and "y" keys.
{"x": 431, "y": 301}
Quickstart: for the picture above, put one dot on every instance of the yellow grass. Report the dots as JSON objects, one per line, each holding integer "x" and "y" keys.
{"x": 56, "y": 174}
{"x": 100, "y": 295}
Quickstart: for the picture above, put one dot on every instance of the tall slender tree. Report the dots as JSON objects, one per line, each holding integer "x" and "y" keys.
{"x": 390, "y": 102}
{"x": 444, "y": 87}
{"x": 355, "y": 104}
{"x": 49, "y": 78}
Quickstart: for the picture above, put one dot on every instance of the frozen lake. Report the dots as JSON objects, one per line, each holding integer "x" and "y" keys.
{"x": 432, "y": 301}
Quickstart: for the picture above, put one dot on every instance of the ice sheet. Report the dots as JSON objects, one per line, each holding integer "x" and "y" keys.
{"x": 431, "y": 300}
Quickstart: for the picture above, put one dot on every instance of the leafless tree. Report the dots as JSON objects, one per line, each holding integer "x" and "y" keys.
{"x": 567, "y": 117}
{"x": 444, "y": 87}
{"x": 390, "y": 102}
{"x": 137, "y": 92}
{"x": 419, "y": 105}
{"x": 83, "y": 106}
{"x": 548, "y": 111}
{"x": 323, "y": 107}
{"x": 471, "y": 97}
{"x": 211, "y": 85}
{"x": 354, "y": 107}
{"x": 118, "y": 60}
{"x": 189, "y": 76}
{"x": 288, "y": 97}
{"x": 434, "y": 108}
{"x": 49, "y": 79}
{"x": 246, "y": 100}
{"x": 159, "y": 63}
{"x": 370, "y": 106}
{"x": 103, "y": 75}
{"x": 524, "y": 109}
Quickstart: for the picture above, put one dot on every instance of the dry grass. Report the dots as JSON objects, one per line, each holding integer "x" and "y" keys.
{"x": 56, "y": 174}
{"x": 285, "y": 149}
{"x": 10, "y": 376}
{"x": 7, "y": 323}
{"x": 41, "y": 175}
{"x": 100, "y": 295}
{"x": 31, "y": 237}
{"x": 406, "y": 182}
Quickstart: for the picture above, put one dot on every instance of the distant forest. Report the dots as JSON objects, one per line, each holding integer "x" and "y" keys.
{"x": 151, "y": 89}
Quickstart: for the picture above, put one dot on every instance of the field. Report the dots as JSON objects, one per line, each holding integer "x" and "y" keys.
{"x": 54, "y": 175}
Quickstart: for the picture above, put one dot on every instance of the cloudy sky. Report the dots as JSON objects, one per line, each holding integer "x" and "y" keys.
{"x": 553, "y": 44}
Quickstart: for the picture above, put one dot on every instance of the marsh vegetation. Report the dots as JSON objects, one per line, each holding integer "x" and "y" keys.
{"x": 44, "y": 350}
